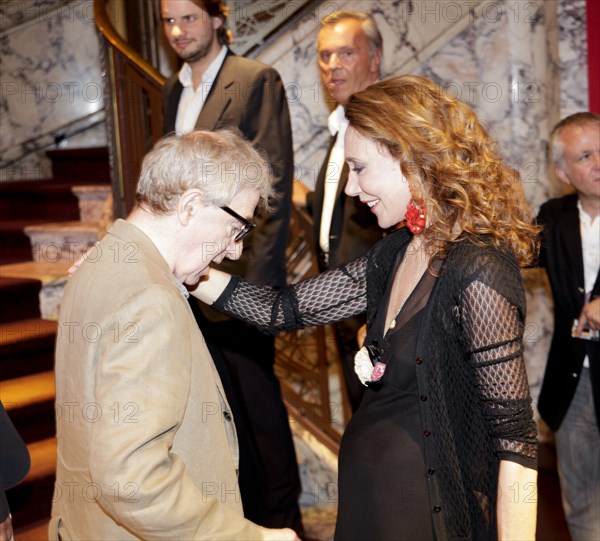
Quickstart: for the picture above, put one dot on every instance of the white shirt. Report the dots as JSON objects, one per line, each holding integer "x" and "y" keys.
{"x": 337, "y": 124}
{"x": 590, "y": 245}
{"x": 192, "y": 100}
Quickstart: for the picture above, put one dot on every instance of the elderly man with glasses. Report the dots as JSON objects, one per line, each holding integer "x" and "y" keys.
{"x": 147, "y": 446}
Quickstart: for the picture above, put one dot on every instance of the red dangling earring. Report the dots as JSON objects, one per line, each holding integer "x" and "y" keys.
{"x": 416, "y": 218}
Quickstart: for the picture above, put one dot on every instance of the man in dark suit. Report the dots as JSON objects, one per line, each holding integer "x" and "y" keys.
{"x": 216, "y": 89}
{"x": 570, "y": 396}
{"x": 349, "y": 47}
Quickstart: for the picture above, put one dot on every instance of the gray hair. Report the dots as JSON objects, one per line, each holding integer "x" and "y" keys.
{"x": 578, "y": 119}
{"x": 369, "y": 27}
{"x": 220, "y": 164}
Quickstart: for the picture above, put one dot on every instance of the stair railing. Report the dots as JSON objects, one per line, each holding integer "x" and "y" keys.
{"x": 303, "y": 357}
{"x": 133, "y": 108}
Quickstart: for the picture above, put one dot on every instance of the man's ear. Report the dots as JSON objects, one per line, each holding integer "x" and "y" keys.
{"x": 375, "y": 62}
{"x": 189, "y": 204}
{"x": 217, "y": 23}
{"x": 561, "y": 174}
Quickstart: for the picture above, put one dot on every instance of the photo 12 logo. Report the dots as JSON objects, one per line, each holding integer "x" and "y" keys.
{"x": 453, "y": 11}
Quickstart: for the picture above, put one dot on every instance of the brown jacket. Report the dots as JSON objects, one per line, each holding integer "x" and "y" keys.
{"x": 146, "y": 444}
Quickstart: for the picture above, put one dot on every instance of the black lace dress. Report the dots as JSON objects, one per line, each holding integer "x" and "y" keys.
{"x": 422, "y": 455}
{"x": 383, "y": 491}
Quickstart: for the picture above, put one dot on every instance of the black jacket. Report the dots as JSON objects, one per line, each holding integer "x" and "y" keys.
{"x": 561, "y": 255}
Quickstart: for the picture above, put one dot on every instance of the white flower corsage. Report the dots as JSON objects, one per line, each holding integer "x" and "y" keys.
{"x": 363, "y": 365}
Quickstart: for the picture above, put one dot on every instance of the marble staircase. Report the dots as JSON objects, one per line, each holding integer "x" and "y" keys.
{"x": 46, "y": 224}
{"x": 27, "y": 392}
{"x": 80, "y": 181}
{"x": 24, "y": 204}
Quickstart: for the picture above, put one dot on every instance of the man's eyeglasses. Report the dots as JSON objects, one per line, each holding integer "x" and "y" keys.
{"x": 247, "y": 226}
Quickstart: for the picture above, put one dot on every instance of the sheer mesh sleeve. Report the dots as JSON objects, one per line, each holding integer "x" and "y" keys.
{"x": 493, "y": 328}
{"x": 331, "y": 296}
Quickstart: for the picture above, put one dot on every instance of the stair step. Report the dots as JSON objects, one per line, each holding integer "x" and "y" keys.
{"x": 62, "y": 241}
{"x": 86, "y": 165}
{"x": 29, "y": 401}
{"x": 19, "y": 297}
{"x": 53, "y": 277}
{"x": 31, "y": 500}
{"x": 26, "y": 347}
{"x": 14, "y": 243}
{"x": 43, "y": 459}
{"x": 15, "y": 333}
{"x": 46, "y": 200}
{"x": 25, "y": 203}
{"x": 17, "y": 393}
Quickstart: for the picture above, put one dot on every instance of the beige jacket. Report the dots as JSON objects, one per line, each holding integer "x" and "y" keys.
{"x": 146, "y": 445}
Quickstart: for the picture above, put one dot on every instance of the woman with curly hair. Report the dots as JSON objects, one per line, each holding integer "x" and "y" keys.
{"x": 443, "y": 445}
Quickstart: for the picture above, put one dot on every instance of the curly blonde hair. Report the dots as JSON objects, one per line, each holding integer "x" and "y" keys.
{"x": 449, "y": 158}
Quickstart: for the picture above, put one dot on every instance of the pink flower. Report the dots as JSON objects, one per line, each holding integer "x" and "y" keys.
{"x": 363, "y": 365}
{"x": 378, "y": 371}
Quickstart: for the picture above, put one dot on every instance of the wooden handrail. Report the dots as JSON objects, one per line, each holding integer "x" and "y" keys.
{"x": 107, "y": 29}
{"x": 133, "y": 106}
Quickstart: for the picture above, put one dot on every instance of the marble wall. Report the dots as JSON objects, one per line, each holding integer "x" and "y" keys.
{"x": 51, "y": 87}
{"x": 520, "y": 64}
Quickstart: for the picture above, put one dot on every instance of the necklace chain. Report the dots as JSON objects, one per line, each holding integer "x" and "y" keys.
{"x": 398, "y": 302}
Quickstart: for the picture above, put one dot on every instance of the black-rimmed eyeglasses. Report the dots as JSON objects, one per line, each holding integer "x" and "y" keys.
{"x": 247, "y": 226}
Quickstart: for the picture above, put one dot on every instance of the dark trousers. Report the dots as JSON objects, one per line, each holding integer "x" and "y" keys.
{"x": 268, "y": 478}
